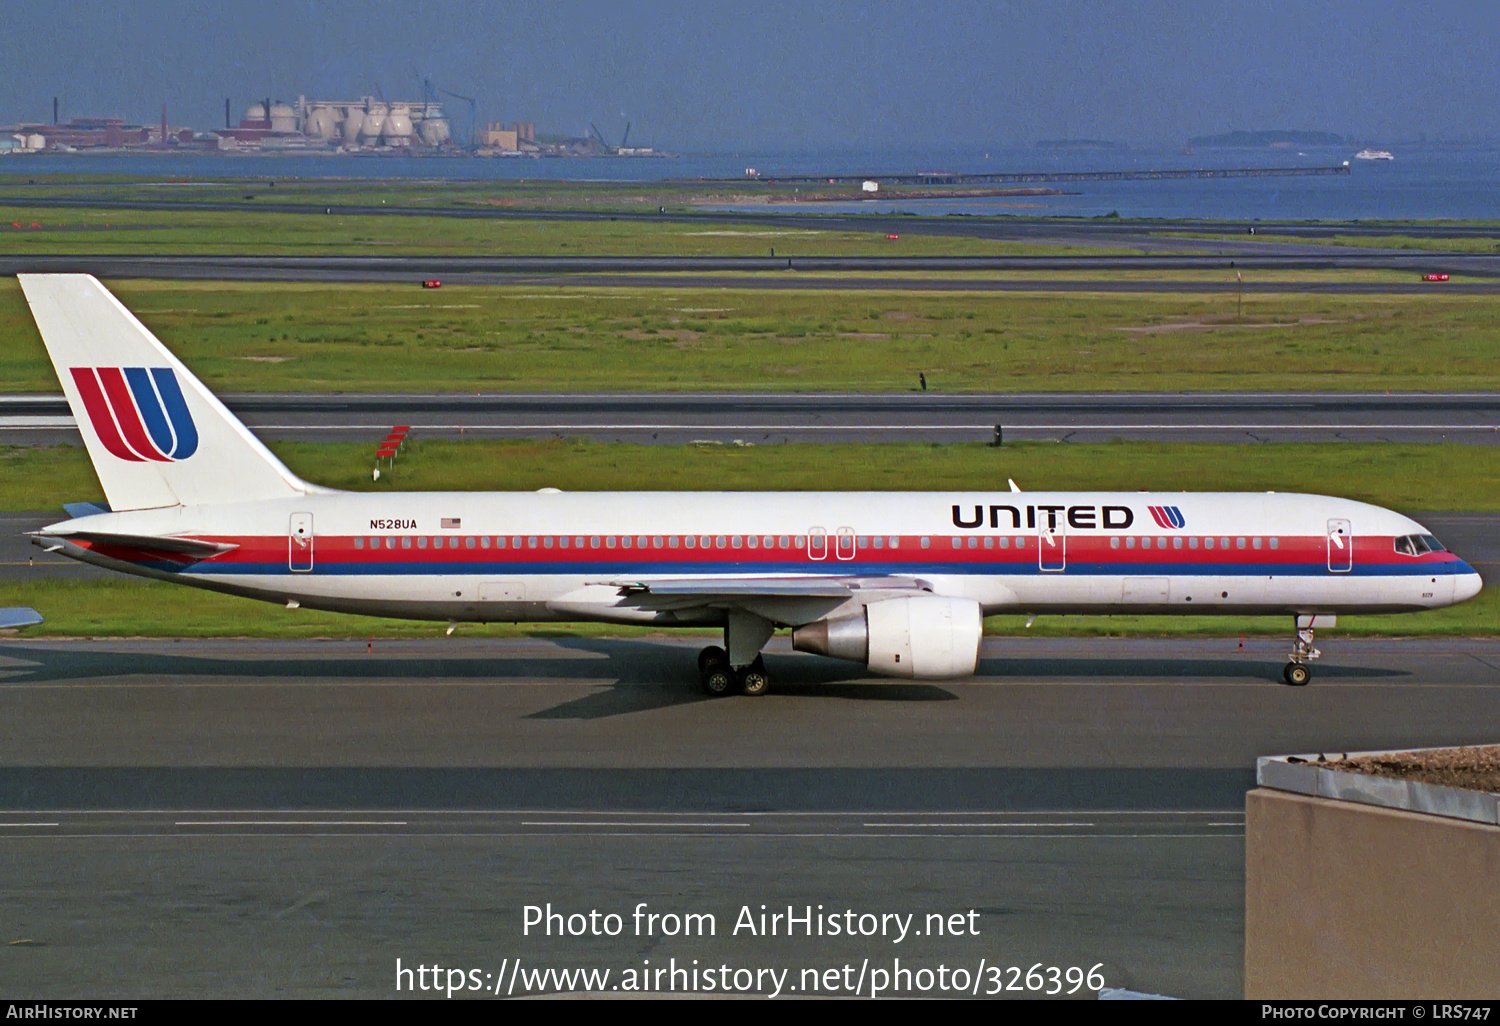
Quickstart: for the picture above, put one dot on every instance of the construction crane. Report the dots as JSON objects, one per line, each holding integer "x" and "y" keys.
{"x": 430, "y": 89}
{"x": 598, "y": 135}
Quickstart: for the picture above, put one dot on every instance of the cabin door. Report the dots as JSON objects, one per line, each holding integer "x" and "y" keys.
{"x": 299, "y": 543}
{"x": 1052, "y": 546}
{"x": 1340, "y": 547}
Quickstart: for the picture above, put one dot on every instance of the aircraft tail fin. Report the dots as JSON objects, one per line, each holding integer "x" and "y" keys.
{"x": 156, "y": 435}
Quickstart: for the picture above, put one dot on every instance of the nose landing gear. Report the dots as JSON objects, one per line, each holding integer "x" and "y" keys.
{"x": 1297, "y": 672}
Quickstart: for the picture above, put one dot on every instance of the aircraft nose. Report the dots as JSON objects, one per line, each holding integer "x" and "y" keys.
{"x": 1467, "y": 585}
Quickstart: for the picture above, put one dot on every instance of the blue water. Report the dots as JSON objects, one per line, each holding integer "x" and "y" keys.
{"x": 1424, "y": 181}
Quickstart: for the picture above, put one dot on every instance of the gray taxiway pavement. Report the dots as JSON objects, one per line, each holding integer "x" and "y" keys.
{"x": 1472, "y": 418}
{"x": 195, "y": 817}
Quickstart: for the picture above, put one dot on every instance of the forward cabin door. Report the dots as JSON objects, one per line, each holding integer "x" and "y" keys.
{"x": 299, "y": 543}
{"x": 1052, "y": 546}
{"x": 1340, "y": 547}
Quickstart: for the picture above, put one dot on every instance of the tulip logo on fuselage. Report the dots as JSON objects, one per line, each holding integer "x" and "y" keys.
{"x": 1169, "y": 517}
{"x": 138, "y": 413}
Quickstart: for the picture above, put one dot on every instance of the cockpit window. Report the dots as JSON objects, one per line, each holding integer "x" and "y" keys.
{"x": 1418, "y": 545}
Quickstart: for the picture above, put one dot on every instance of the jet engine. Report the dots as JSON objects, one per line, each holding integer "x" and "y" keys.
{"x": 923, "y": 638}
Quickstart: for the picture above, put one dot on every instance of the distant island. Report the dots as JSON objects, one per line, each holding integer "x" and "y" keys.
{"x": 1244, "y": 140}
{"x": 1080, "y": 144}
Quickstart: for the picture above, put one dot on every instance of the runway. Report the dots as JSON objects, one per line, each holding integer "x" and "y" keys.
{"x": 814, "y": 272}
{"x": 1472, "y": 418}
{"x": 218, "y": 809}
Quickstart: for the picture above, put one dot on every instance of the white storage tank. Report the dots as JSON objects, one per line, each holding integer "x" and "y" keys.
{"x": 374, "y": 123}
{"x": 322, "y": 122}
{"x": 255, "y": 112}
{"x": 283, "y": 118}
{"x": 398, "y": 129}
{"x": 433, "y": 128}
{"x": 354, "y": 119}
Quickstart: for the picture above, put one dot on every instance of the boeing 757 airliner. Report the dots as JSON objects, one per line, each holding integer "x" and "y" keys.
{"x": 897, "y": 581}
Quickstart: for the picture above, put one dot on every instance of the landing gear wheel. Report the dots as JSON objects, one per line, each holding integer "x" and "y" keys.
{"x": 712, "y": 657}
{"x": 753, "y": 679}
{"x": 1296, "y": 674}
{"x": 717, "y": 681}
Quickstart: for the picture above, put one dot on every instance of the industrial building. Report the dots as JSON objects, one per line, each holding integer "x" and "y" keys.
{"x": 367, "y": 123}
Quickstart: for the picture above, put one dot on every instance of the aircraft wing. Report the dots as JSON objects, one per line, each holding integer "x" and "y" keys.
{"x": 778, "y": 599}
{"x": 19, "y": 616}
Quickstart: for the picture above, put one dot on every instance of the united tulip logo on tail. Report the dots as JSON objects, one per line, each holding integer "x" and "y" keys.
{"x": 138, "y": 412}
{"x": 1167, "y": 516}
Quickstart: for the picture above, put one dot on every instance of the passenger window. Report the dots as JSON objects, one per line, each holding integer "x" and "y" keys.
{"x": 469, "y": 542}
{"x": 926, "y": 542}
{"x": 1114, "y": 542}
{"x": 752, "y": 541}
{"x": 499, "y": 543}
{"x": 656, "y": 542}
{"x": 1255, "y": 543}
{"x": 484, "y": 542}
{"x": 563, "y": 542}
{"x": 546, "y": 541}
{"x": 1223, "y": 543}
{"x": 720, "y": 542}
{"x": 735, "y": 541}
{"x": 390, "y": 543}
{"x": 421, "y": 543}
{"x": 1208, "y": 543}
{"x": 895, "y": 543}
{"x": 672, "y": 541}
{"x": 406, "y": 542}
{"x": 879, "y": 542}
{"x": 594, "y": 542}
{"x": 1275, "y": 543}
{"x": 1130, "y": 542}
{"x": 625, "y": 541}
{"x": 1161, "y": 543}
{"x": 691, "y": 541}
{"x": 1193, "y": 542}
{"x": 609, "y": 542}
{"x": 1239, "y": 543}
{"x": 1005, "y": 541}
{"x": 785, "y": 540}
{"x": 359, "y": 543}
{"x": 958, "y": 543}
{"x": 1177, "y": 543}
{"x": 989, "y": 542}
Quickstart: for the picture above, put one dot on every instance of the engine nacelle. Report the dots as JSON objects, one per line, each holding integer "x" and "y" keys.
{"x": 922, "y": 638}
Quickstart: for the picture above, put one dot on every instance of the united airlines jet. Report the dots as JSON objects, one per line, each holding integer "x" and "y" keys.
{"x": 899, "y": 582}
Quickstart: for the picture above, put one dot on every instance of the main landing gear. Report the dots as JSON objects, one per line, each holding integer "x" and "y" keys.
{"x": 718, "y": 678}
{"x": 1297, "y": 672}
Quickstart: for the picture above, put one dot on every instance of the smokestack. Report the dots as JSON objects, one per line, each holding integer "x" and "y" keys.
{"x": 164, "y": 124}
{"x": 226, "y": 113}
{"x": 54, "y": 110}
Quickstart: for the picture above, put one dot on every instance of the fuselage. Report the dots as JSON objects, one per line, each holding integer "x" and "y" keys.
{"x": 462, "y": 556}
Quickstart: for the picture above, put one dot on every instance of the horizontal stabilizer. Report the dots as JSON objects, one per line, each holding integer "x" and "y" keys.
{"x": 19, "y": 616}
{"x": 192, "y": 549}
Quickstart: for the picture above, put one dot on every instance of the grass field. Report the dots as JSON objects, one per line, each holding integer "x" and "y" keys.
{"x": 302, "y": 337}
{"x": 1401, "y": 477}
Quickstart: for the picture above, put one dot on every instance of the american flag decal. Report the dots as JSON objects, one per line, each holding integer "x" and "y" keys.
{"x": 452, "y": 523}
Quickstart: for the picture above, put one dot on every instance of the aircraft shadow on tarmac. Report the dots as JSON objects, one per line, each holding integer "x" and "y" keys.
{"x": 630, "y": 676}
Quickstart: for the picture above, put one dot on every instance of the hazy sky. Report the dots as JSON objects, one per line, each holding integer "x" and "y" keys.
{"x": 784, "y": 74}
